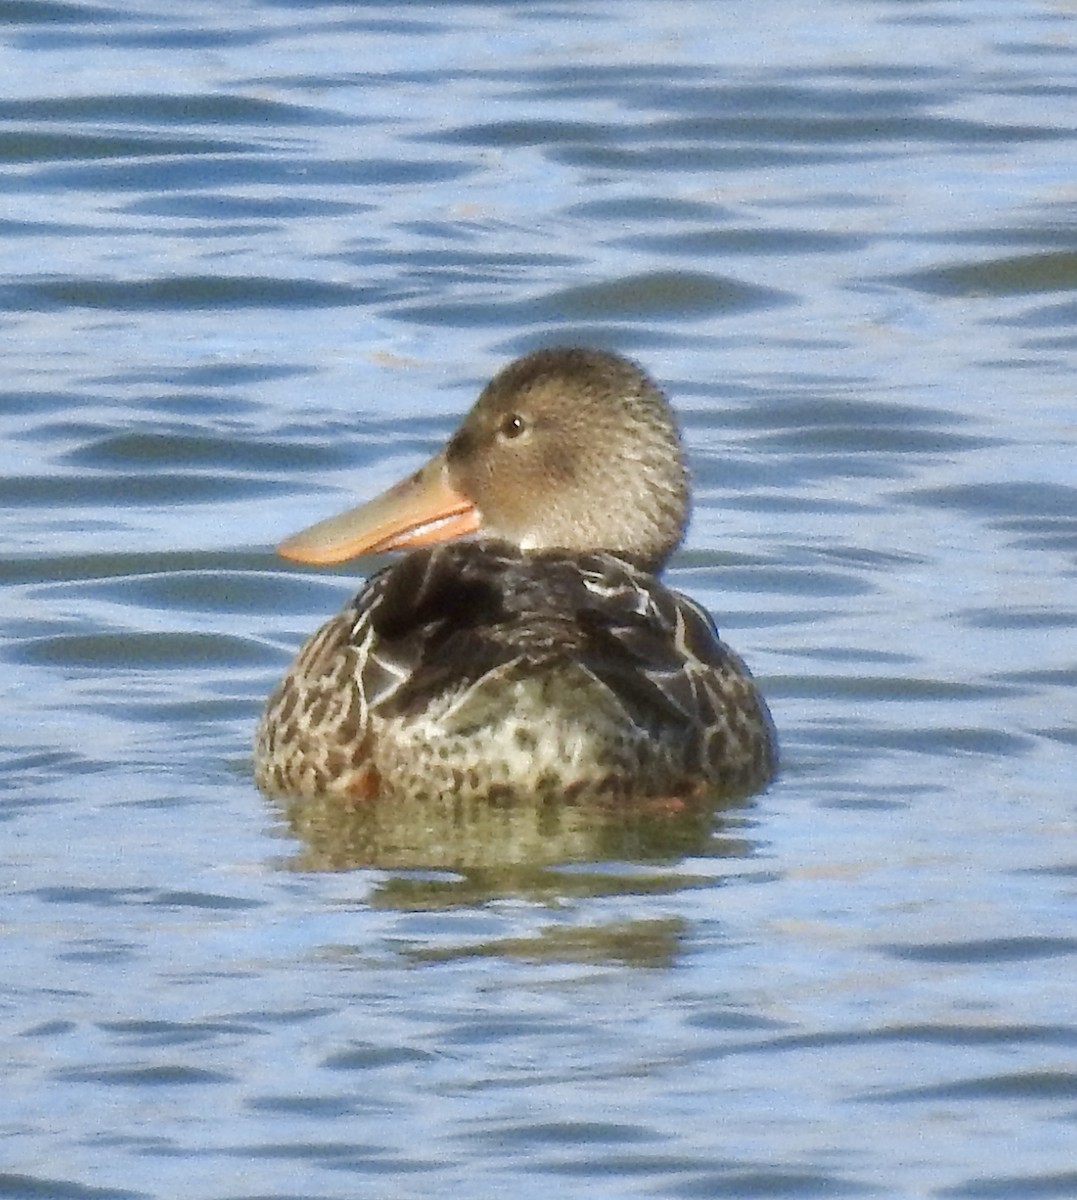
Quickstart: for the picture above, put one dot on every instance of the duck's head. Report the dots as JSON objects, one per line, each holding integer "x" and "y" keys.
{"x": 565, "y": 448}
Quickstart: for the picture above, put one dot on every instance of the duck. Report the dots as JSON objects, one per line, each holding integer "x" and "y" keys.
{"x": 523, "y": 645}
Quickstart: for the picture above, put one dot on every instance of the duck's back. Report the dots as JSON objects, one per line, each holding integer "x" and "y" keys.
{"x": 476, "y": 669}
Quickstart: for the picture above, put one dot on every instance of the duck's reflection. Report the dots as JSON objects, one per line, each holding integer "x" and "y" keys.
{"x": 520, "y": 834}
{"x": 654, "y": 943}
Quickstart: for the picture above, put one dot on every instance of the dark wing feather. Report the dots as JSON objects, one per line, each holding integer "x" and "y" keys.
{"x": 452, "y": 614}
{"x": 447, "y": 616}
{"x": 653, "y": 646}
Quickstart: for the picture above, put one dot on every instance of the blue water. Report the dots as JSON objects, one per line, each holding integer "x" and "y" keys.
{"x": 255, "y": 260}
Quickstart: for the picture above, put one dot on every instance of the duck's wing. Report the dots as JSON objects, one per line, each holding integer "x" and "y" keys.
{"x": 449, "y": 616}
{"x": 657, "y": 648}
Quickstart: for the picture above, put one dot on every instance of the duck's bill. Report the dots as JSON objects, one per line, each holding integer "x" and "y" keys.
{"x": 419, "y": 511}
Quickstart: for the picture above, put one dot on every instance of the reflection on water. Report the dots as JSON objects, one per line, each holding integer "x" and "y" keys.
{"x": 642, "y": 943}
{"x": 453, "y": 832}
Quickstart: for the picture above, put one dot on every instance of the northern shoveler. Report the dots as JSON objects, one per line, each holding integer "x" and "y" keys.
{"x": 540, "y": 656}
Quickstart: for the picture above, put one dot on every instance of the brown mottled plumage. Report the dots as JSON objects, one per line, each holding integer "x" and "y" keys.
{"x": 544, "y": 657}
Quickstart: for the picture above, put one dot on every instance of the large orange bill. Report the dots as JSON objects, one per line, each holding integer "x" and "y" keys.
{"x": 420, "y": 510}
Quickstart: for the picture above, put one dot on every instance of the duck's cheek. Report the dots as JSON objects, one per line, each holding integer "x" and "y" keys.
{"x": 560, "y": 465}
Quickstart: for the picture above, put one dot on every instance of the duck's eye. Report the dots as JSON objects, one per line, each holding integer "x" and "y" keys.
{"x": 513, "y": 425}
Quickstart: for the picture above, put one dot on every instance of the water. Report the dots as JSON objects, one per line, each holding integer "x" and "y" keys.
{"x": 255, "y": 260}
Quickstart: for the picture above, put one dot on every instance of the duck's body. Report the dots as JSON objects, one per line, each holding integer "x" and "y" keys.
{"x": 474, "y": 669}
{"x": 545, "y": 659}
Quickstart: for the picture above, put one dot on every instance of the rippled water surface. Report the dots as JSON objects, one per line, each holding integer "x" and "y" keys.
{"x": 255, "y": 259}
